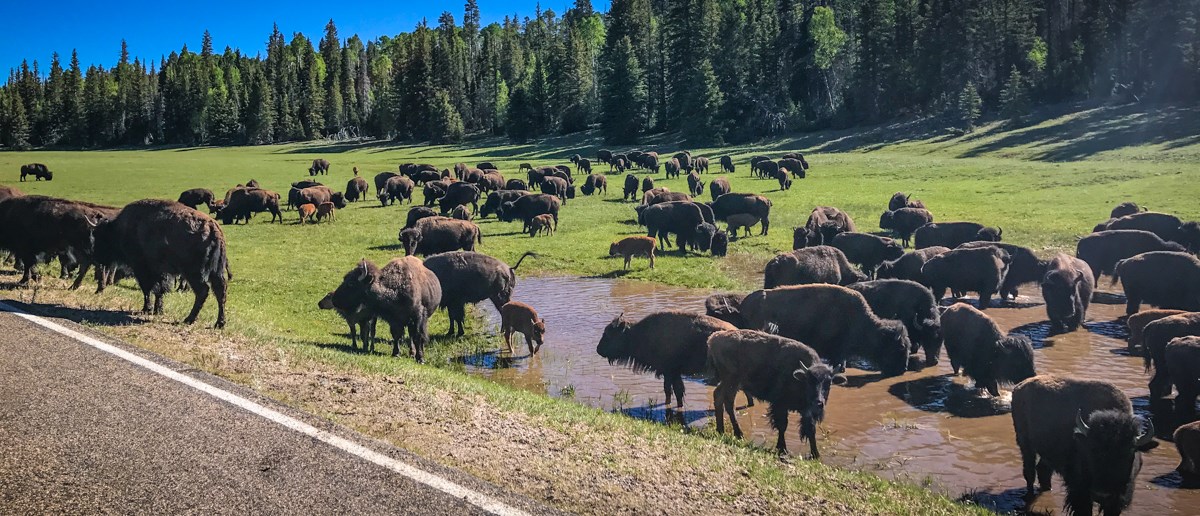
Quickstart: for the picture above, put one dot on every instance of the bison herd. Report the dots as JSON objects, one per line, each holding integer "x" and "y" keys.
{"x": 839, "y": 294}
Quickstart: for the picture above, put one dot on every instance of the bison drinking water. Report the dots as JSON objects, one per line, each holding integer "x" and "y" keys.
{"x": 518, "y": 317}
{"x": 820, "y": 264}
{"x": 982, "y": 351}
{"x": 913, "y": 305}
{"x": 1067, "y": 288}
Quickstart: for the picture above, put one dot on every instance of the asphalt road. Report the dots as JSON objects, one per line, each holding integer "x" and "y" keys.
{"x": 84, "y": 431}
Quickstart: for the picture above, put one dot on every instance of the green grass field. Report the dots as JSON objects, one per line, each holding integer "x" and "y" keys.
{"x": 1045, "y": 185}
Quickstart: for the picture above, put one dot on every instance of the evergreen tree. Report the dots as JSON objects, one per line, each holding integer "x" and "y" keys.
{"x": 447, "y": 123}
{"x": 1014, "y": 100}
{"x": 623, "y": 111}
{"x": 331, "y": 54}
{"x": 967, "y": 108}
{"x": 701, "y": 125}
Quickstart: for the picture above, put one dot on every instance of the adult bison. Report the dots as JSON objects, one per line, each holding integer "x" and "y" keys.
{"x": 498, "y": 198}
{"x": 733, "y": 203}
{"x": 823, "y": 224}
{"x": 1156, "y": 336}
{"x": 1102, "y": 250}
{"x": 247, "y": 201}
{"x": 315, "y": 195}
{"x": 867, "y": 250}
{"x": 727, "y": 165}
{"x": 726, "y": 307}
{"x": 817, "y": 264}
{"x": 1067, "y": 287}
{"x": 913, "y": 305}
{"x": 701, "y": 164}
{"x": 160, "y": 239}
{"x": 983, "y": 352}
{"x": 604, "y": 156}
{"x": 417, "y": 213}
{"x": 908, "y": 267}
{"x": 515, "y": 184}
{"x": 432, "y": 235}
{"x": 36, "y": 225}
{"x": 356, "y": 189}
{"x": 1167, "y": 227}
{"x": 1023, "y": 267}
{"x": 786, "y": 374}
{"x": 954, "y": 234}
{"x": 467, "y": 277}
{"x": 595, "y": 183}
{"x": 718, "y": 187}
{"x": 1125, "y": 208}
{"x": 527, "y": 207}
{"x": 558, "y": 187}
{"x": 967, "y": 270}
{"x": 794, "y": 166}
{"x": 1085, "y": 431}
{"x": 319, "y": 166}
{"x": 631, "y": 188}
{"x": 381, "y": 179}
{"x": 396, "y": 190}
{"x": 834, "y": 320}
{"x": 459, "y": 194}
{"x": 38, "y": 171}
{"x": 404, "y": 293}
{"x": 695, "y": 185}
{"x": 903, "y": 222}
{"x": 901, "y": 200}
{"x": 678, "y": 217}
{"x": 195, "y": 197}
{"x": 1164, "y": 279}
{"x": 669, "y": 344}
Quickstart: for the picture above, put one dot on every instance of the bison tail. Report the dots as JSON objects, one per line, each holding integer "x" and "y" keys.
{"x": 1116, "y": 276}
{"x": 522, "y": 258}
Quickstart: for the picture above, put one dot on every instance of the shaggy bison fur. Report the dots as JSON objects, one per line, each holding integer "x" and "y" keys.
{"x": 468, "y": 277}
{"x": 818, "y": 264}
{"x": 734, "y": 203}
{"x": 913, "y": 305}
{"x": 867, "y": 250}
{"x": 404, "y": 293}
{"x": 908, "y": 267}
{"x": 397, "y": 190}
{"x": 595, "y": 183}
{"x": 1161, "y": 278}
{"x": 1102, "y": 250}
{"x": 1183, "y": 367}
{"x": 432, "y": 235}
{"x": 978, "y": 347}
{"x": 967, "y": 270}
{"x": 417, "y": 213}
{"x": 356, "y": 189}
{"x": 726, "y": 307}
{"x": 1067, "y": 288}
{"x": 459, "y": 194}
{"x": 1024, "y": 267}
{"x": 718, "y": 187}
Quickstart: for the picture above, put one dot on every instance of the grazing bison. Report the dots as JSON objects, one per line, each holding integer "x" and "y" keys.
{"x": 727, "y": 164}
{"x": 381, "y": 179}
{"x": 754, "y": 161}
{"x": 678, "y": 217}
{"x": 1183, "y": 367}
{"x": 1187, "y": 442}
{"x": 433, "y": 191}
{"x": 904, "y": 222}
{"x": 983, "y": 352}
{"x": 718, "y": 187}
{"x": 834, "y": 320}
{"x": 703, "y": 236}
{"x": 497, "y": 199}
{"x": 1157, "y": 335}
{"x": 1161, "y": 278}
{"x": 604, "y": 156}
{"x": 734, "y": 203}
{"x": 1167, "y": 227}
{"x": 1125, "y": 208}
{"x": 432, "y": 235}
{"x": 1136, "y": 324}
{"x": 541, "y": 224}
{"x": 1102, "y": 250}
{"x": 954, "y": 234}
{"x": 356, "y": 189}
{"x": 583, "y": 165}
{"x": 491, "y": 182}
{"x": 867, "y": 250}
{"x": 701, "y": 164}
{"x": 794, "y": 166}
{"x": 913, "y": 305}
{"x": 247, "y": 201}
{"x": 486, "y": 165}
{"x": 558, "y": 187}
{"x": 358, "y": 317}
{"x": 967, "y": 270}
{"x": 647, "y": 184}
{"x": 518, "y": 317}
{"x": 823, "y": 224}
{"x": 195, "y": 197}
{"x": 720, "y": 244}
{"x": 786, "y": 374}
{"x": 527, "y": 207}
{"x": 1024, "y": 266}
{"x": 767, "y": 168}
{"x": 908, "y": 267}
{"x": 319, "y": 166}
{"x": 595, "y": 183}
{"x": 740, "y": 221}
{"x": 36, "y": 225}
{"x": 404, "y": 293}
{"x": 1067, "y": 288}
{"x": 1085, "y": 431}
{"x": 325, "y": 211}
{"x": 471, "y": 175}
{"x": 631, "y": 188}
{"x": 467, "y": 278}
{"x": 629, "y": 247}
{"x": 515, "y": 184}
{"x": 159, "y": 240}
{"x": 397, "y": 189}
{"x": 817, "y": 264}
{"x": 38, "y": 171}
{"x": 459, "y": 194}
{"x": 319, "y": 194}
{"x": 695, "y": 185}
{"x": 672, "y": 166}
{"x": 460, "y": 213}
{"x": 670, "y": 344}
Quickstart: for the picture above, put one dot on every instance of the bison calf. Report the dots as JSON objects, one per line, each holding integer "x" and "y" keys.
{"x": 518, "y": 317}
{"x": 307, "y": 211}
{"x": 982, "y": 351}
{"x": 326, "y": 211}
{"x": 629, "y": 247}
{"x": 543, "y": 223}
{"x": 1187, "y": 442}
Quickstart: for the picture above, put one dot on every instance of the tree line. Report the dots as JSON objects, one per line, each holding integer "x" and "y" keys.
{"x": 716, "y": 71}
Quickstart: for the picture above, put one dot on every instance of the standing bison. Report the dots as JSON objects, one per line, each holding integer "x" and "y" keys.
{"x": 727, "y": 165}
{"x": 1023, "y": 267}
{"x": 468, "y": 277}
{"x": 195, "y": 197}
{"x": 678, "y": 217}
{"x": 954, "y": 234}
{"x": 670, "y": 344}
{"x": 404, "y": 293}
{"x": 35, "y": 225}
{"x": 1162, "y": 278}
{"x": 913, "y": 305}
{"x": 733, "y": 203}
{"x": 319, "y": 166}
{"x": 908, "y": 267}
{"x": 1103, "y": 249}
{"x": 1067, "y": 288}
{"x": 903, "y": 222}
{"x": 967, "y": 270}
{"x": 38, "y": 171}
{"x": 527, "y": 207}
{"x": 159, "y": 240}
{"x": 867, "y": 250}
{"x": 356, "y": 189}
{"x": 785, "y": 373}
{"x": 818, "y": 264}
{"x": 1085, "y": 431}
{"x": 982, "y": 351}
{"x": 432, "y": 235}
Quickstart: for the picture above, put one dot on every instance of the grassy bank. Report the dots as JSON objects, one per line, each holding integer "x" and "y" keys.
{"x": 1045, "y": 184}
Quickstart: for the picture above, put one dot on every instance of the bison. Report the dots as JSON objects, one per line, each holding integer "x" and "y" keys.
{"x": 36, "y": 225}
{"x": 913, "y": 305}
{"x": 954, "y": 234}
{"x": 1187, "y": 442}
{"x": 515, "y": 184}
{"x": 432, "y": 235}
{"x": 319, "y": 166}
{"x": 1183, "y": 367}
{"x": 904, "y": 222}
{"x": 468, "y": 277}
{"x": 631, "y": 188}
{"x": 1136, "y": 324}
{"x": 1164, "y": 279}
{"x": 1125, "y": 208}
{"x": 319, "y": 194}
{"x": 818, "y": 264}
{"x": 404, "y": 293}
{"x": 718, "y": 187}
{"x": 983, "y": 352}
{"x": 459, "y": 194}
{"x": 38, "y": 171}
{"x": 726, "y": 307}
{"x": 1167, "y": 227}
{"x": 356, "y": 189}
{"x": 247, "y": 201}
{"x": 695, "y": 185}
{"x": 1067, "y": 288}
{"x": 727, "y": 164}
{"x": 595, "y": 183}
{"x": 396, "y": 190}
{"x": 1156, "y": 336}
{"x": 629, "y": 247}
{"x": 358, "y": 317}
{"x": 733, "y": 203}
{"x": 195, "y": 197}
{"x": 967, "y": 270}
{"x": 678, "y": 217}
{"x": 558, "y": 187}
{"x": 785, "y": 373}
{"x": 795, "y": 166}
{"x": 823, "y": 224}
{"x": 417, "y": 213}
{"x": 518, "y": 317}
{"x": 497, "y": 199}
{"x": 1024, "y": 266}
{"x": 867, "y": 250}
{"x": 908, "y": 267}
{"x": 1102, "y": 250}
{"x": 527, "y": 207}
{"x": 381, "y": 179}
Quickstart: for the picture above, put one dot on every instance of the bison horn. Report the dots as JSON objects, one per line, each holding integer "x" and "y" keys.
{"x": 1081, "y": 428}
{"x": 93, "y": 223}
{"x": 1147, "y": 435}
{"x": 1000, "y": 231}
{"x": 801, "y": 372}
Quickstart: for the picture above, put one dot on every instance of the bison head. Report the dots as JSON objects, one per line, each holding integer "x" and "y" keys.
{"x": 815, "y": 380}
{"x": 898, "y": 200}
{"x": 613, "y": 345}
{"x": 410, "y": 238}
{"x": 886, "y": 220}
{"x": 1189, "y": 236}
{"x": 704, "y": 235}
{"x": 892, "y": 348}
{"x": 539, "y": 334}
{"x": 504, "y": 212}
{"x": 338, "y": 200}
{"x": 355, "y": 284}
{"x": 989, "y": 234}
{"x": 1108, "y": 442}
{"x": 803, "y": 237}
{"x": 892, "y": 249}
{"x": 720, "y": 243}
{"x": 1014, "y": 360}
{"x": 106, "y": 249}
{"x": 570, "y": 191}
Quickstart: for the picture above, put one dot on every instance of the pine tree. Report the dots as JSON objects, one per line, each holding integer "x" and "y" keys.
{"x": 1014, "y": 100}
{"x": 446, "y": 122}
{"x": 701, "y": 125}
{"x": 331, "y": 54}
{"x": 623, "y": 103}
{"x": 968, "y": 106}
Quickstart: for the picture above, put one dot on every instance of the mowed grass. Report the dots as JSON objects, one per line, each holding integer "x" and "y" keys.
{"x": 1008, "y": 178}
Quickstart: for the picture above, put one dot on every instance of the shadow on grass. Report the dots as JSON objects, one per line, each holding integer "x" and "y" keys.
{"x": 79, "y": 315}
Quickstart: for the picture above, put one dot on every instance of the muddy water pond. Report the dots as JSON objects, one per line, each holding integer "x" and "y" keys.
{"x": 924, "y": 427}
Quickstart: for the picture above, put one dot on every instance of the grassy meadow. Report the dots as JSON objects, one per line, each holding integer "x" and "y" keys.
{"x": 1045, "y": 184}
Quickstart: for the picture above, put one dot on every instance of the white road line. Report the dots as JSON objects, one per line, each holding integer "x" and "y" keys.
{"x": 481, "y": 500}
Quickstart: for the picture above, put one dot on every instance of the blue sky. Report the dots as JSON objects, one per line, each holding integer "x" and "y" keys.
{"x": 34, "y": 30}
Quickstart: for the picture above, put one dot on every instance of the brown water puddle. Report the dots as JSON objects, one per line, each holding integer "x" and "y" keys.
{"x": 924, "y": 427}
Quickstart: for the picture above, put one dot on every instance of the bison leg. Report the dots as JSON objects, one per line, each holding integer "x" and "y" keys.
{"x": 677, "y": 386}
{"x": 1044, "y": 470}
{"x": 1185, "y": 401}
{"x": 985, "y": 300}
{"x": 366, "y": 332}
{"x": 200, "y": 289}
{"x": 220, "y": 286}
{"x": 766, "y": 224}
{"x": 749, "y": 399}
{"x": 397, "y": 336}
{"x": 667, "y": 389}
{"x": 779, "y": 420}
{"x": 418, "y": 331}
{"x": 1133, "y": 303}
{"x": 354, "y": 335}
{"x": 84, "y": 265}
{"x": 1079, "y": 501}
{"x": 808, "y": 430}
{"x": 1160, "y": 383}
{"x": 457, "y": 313}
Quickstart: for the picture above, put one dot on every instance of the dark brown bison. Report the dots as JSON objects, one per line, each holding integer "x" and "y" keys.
{"x": 817, "y": 264}
{"x": 631, "y": 188}
{"x": 1167, "y": 227}
{"x": 726, "y": 307}
{"x": 527, "y": 207}
{"x": 954, "y": 234}
{"x": 678, "y": 217}
{"x": 753, "y": 204}
{"x": 908, "y": 267}
{"x": 786, "y": 374}
{"x": 672, "y": 167}
{"x": 381, "y": 179}
{"x": 718, "y": 187}
{"x": 434, "y": 190}
{"x": 36, "y": 225}
{"x": 647, "y": 184}
{"x": 834, "y": 320}
{"x": 467, "y": 278}
{"x": 1183, "y": 366}
{"x": 904, "y": 222}
{"x": 983, "y": 352}
{"x": 1023, "y": 267}
{"x": 432, "y": 235}
{"x": 1156, "y": 336}
{"x": 1136, "y": 324}
{"x": 913, "y": 305}
{"x": 491, "y": 181}
{"x": 247, "y": 201}
{"x": 1067, "y": 287}
{"x": 159, "y": 240}
{"x": 1102, "y": 250}
{"x": 38, "y": 171}
{"x": 356, "y": 189}
{"x": 595, "y": 183}
{"x": 498, "y": 198}
{"x": 197, "y": 196}
{"x": 695, "y": 185}
{"x": 396, "y": 190}
{"x": 558, "y": 187}
{"x": 315, "y": 195}
{"x": 700, "y": 164}
{"x": 1164, "y": 279}
{"x": 967, "y": 270}
{"x": 358, "y": 317}
{"x": 754, "y": 161}
{"x": 404, "y": 293}
{"x": 1085, "y": 431}
{"x": 417, "y": 213}
{"x": 604, "y": 155}
{"x": 584, "y": 166}
{"x": 794, "y": 166}
{"x": 823, "y": 224}
{"x": 319, "y": 166}
{"x": 867, "y": 250}
{"x": 459, "y": 194}
{"x": 1125, "y": 208}
{"x": 486, "y": 165}
{"x": 767, "y": 168}
{"x": 515, "y": 184}
{"x": 727, "y": 165}
{"x": 470, "y": 175}
{"x": 669, "y": 344}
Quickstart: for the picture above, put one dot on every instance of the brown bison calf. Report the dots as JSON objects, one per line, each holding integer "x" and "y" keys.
{"x": 307, "y": 211}
{"x": 518, "y": 317}
{"x": 543, "y": 223}
{"x": 326, "y": 210}
{"x": 982, "y": 351}
{"x": 786, "y": 374}
{"x": 1137, "y": 324}
{"x": 634, "y": 246}
{"x": 1187, "y": 441}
